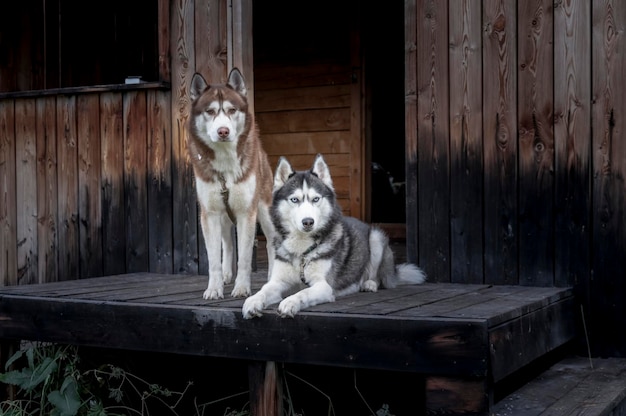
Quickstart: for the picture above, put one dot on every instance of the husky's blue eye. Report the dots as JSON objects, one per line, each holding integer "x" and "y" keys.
{"x": 316, "y": 199}
{"x": 294, "y": 200}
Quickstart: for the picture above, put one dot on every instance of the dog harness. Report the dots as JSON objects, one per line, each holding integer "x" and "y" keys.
{"x": 225, "y": 194}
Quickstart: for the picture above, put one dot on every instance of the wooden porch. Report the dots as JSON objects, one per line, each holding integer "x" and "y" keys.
{"x": 463, "y": 339}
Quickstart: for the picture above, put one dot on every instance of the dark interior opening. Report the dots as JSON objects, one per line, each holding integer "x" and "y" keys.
{"x": 383, "y": 49}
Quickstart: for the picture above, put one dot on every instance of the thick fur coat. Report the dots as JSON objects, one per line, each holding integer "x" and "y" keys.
{"x": 320, "y": 253}
{"x": 233, "y": 179}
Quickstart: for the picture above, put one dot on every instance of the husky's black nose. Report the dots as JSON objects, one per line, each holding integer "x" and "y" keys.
{"x": 308, "y": 223}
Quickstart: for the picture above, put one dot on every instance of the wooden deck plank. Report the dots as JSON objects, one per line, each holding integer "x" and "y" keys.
{"x": 457, "y": 336}
{"x": 504, "y": 308}
{"x": 436, "y": 329}
{"x": 571, "y": 387}
{"x": 415, "y": 297}
{"x": 519, "y": 341}
{"x": 424, "y": 345}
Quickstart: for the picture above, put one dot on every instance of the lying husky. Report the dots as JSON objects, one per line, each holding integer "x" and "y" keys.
{"x": 233, "y": 179}
{"x": 319, "y": 250}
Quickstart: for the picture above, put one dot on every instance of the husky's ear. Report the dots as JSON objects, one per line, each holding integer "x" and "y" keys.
{"x": 198, "y": 85}
{"x": 320, "y": 168}
{"x": 283, "y": 173}
{"x": 236, "y": 81}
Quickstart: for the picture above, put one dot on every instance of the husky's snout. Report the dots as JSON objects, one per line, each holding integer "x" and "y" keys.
{"x": 223, "y": 133}
{"x": 307, "y": 224}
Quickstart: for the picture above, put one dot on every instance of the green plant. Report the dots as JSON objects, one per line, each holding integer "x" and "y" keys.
{"x": 50, "y": 382}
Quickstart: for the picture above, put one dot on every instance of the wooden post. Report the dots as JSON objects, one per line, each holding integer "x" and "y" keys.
{"x": 265, "y": 389}
{"x": 450, "y": 395}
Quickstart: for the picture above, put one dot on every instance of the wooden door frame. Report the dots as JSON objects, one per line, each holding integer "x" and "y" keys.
{"x": 240, "y": 43}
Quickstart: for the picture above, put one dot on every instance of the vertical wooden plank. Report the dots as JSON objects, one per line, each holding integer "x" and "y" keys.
{"x": 572, "y": 131}
{"x": 8, "y": 214}
{"x": 185, "y": 206}
{"x": 266, "y": 392}
{"x": 112, "y": 148}
{"x": 410, "y": 126}
{"x": 135, "y": 177}
{"x": 357, "y": 133}
{"x": 609, "y": 170}
{"x": 89, "y": 195}
{"x": 26, "y": 186}
{"x": 536, "y": 143}
{"x": 466, "y": 160}
{"x": 160, "y": 182}
{"x": 500, "y": 140}
{"x": 163, "y": 12}
{"x": 67, "y": 176}
{"x": 242, "y": 43}
{"x": 211, "y": 24}
{"x": 433, "y": 139}
{"x": 47, "y": 192}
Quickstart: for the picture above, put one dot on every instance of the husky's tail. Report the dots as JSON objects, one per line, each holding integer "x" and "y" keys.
{"x": 409, "y": 274}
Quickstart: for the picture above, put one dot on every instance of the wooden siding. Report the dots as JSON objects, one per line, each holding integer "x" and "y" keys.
{"x": 514, "y": 115}
{"x": 83, "y": 179}
{"x": 299, "y": 119}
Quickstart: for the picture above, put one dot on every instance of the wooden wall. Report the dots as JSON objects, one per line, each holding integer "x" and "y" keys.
{"x": 86, "y": 186}
{"x": 305, "y": 92}
{"x": 515, "y": 157}
{"x": 299, "y": 120}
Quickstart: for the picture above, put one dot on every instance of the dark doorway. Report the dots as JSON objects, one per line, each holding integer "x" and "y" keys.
{"x": 383, "y": 53}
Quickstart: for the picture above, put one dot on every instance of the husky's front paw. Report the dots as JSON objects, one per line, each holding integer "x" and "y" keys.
{"x": 213, "y": 293}
{"x": 289, "y": 307}
{"x": 253, "y": 306}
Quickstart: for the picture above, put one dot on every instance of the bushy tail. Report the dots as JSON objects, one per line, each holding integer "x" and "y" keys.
{"x": 409, "y": 274}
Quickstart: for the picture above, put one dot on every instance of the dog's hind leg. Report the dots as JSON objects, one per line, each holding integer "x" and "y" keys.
{"x": 246, "y": 230}
{"x": 268, "y": 230}
{"x": 378, "y": 245}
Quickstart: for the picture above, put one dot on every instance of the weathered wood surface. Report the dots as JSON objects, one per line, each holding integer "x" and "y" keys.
{"x": 8, "y": 208}
{"x": 466, "y": 144}
{"x": 575, "y": 386}
{"x": 433, "y": 132}
{"x": 500, "y": 141}
{"x": 608, "y": 193}
{"x": 443, "y": 329}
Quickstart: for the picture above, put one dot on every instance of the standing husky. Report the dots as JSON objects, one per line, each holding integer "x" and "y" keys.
{"x": 321, "y": 250}
{"x": 233, "y": 179}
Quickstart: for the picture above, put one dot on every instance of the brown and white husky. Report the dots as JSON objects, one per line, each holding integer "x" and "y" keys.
{"x": 233, "y": 180}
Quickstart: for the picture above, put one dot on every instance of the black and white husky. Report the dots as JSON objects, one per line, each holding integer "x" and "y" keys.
{"x": 320, "y": 251}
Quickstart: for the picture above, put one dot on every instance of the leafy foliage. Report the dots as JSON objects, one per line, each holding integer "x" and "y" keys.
{"x": 50, "y": 382}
